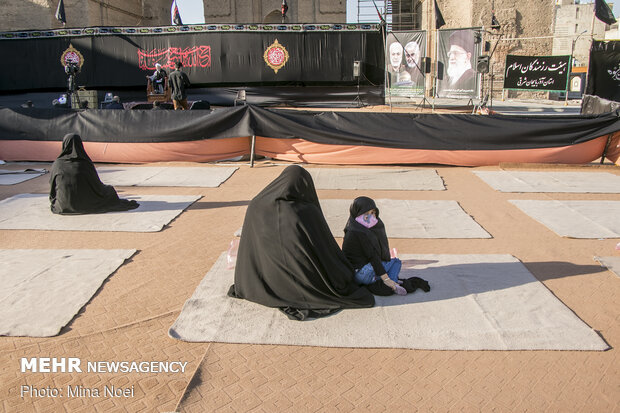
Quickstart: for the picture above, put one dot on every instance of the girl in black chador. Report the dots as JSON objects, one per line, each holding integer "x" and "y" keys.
{"x": 366, "y": 246}
{"x": 75, "y": 187}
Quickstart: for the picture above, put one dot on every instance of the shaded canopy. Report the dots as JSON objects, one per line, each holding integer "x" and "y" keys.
{"x": 288, "y": 257}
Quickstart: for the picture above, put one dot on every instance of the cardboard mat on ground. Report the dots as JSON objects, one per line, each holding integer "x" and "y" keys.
{"x": 377, "y": 179}
{"x": 206, "y": 177}
{"x": 12, "y": 177}
{"x": 612, "y": 263}
{"x": 575, "y": 219}
{"x": 476, "y": 302}
{"x": 32, "y": 211}
{"x": 42, "y": 290}
{"x": 410, "y": 218}
{"x": 529, "y": 181}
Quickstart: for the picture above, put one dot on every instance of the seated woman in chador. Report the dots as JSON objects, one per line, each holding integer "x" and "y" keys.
{"x": 288, "y": 257}
{"x": 366, "y": 246}
{"x": 75, "y": 187}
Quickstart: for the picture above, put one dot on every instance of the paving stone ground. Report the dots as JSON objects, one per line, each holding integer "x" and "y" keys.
{"x": 128, "y": 319}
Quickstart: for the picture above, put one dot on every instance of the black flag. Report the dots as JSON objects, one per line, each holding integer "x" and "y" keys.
{"x": 176, "y": 16}
{"x": 494, "y": 22}
{"x": 284, "y": 8}
{"x": 60, "y": 12}
{"x": 603, "y": 12}
{"x": 439, "y": 21}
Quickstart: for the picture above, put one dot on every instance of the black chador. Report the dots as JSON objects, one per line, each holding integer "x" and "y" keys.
{"x": 288, "y": 257}
{"x": 75, "y": 187}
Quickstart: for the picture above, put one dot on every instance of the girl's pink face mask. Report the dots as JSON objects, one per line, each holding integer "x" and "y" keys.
{"x": 368, "y": 220}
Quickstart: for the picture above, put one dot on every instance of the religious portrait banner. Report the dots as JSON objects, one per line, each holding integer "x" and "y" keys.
{"x": 457, "y": 51}
{"x": 404, "y": 63}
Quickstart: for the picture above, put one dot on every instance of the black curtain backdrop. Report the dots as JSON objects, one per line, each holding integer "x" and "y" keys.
{"x": 391, "y": 130}
{"x": 604, "y": 70}
{"x": 210, "y": 58}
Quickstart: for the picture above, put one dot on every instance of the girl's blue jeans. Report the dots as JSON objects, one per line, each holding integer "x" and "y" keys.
{"x": 366, "y": 274}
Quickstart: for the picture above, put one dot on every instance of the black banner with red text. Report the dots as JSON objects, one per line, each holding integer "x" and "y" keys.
{"x": 211, "y": 58}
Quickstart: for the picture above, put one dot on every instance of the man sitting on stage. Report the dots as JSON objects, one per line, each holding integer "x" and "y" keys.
{"x": 115, "y": 104}
{"x": 157, "y": 79}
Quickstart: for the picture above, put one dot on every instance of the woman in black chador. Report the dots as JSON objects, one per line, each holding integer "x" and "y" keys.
{"x": 288, "y": 257}
{"x": 75, "y": 187}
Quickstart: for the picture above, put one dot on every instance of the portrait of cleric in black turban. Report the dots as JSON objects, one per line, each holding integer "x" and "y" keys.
{"x": 457, "y": 49}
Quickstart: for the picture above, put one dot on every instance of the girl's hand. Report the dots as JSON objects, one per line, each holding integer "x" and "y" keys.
{"x": 393, "y": 285}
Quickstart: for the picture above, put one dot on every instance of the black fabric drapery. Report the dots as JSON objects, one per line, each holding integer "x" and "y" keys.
{"x": 389, "y": 130}
{"x": 432, "y": 131}
{"x": 604, "y": 70}
{"x": 210, "y": 58}
{"x": 288, "y": 257}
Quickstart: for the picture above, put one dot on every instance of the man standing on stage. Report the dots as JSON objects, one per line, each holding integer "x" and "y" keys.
{"x": 179, "y": 82}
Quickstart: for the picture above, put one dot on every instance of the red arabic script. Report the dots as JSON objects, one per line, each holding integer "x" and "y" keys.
{"x": 196, "y": 56}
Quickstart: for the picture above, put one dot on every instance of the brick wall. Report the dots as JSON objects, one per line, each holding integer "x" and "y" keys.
{"x": 39, "y": 14}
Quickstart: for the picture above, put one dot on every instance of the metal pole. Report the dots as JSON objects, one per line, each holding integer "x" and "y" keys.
{"x": 386, "y": 73}
{"x": 252, "y": 151}
{"x": 606, "y": 148}
{"x": 570, "y": 64}
{"x": 492, "y": 76}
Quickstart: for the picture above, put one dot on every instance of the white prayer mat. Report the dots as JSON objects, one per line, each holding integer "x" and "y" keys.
{"x": 12, "y": 177}
{"x": 575, "y": 219}
{"x": 612, "y": 263}
{"x": 476, "y": 302}
{"x": 527, "y": 181}
{"x": 410, "y": 219}
{"x": 386, "y": 179}
{"x": 207, "y": 177}
{"x": 32, "y": 211}
{"x": 42, "y": 290}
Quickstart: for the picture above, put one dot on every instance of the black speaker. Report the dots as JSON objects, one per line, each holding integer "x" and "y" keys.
{"x": 487, "y": 46}
{"x": 440, "y": 70}
{"x": 482, "y": 64}
{"x": 426, "y": 64}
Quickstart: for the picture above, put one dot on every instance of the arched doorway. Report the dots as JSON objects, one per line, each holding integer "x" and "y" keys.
{"x": 275, "y": 17}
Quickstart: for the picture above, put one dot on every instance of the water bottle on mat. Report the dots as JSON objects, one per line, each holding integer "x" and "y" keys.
{"x": 231, "y": 255}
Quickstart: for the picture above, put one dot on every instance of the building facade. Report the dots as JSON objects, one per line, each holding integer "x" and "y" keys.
{"x": 39, "y": 14}
{"x": 575, "y": 25}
